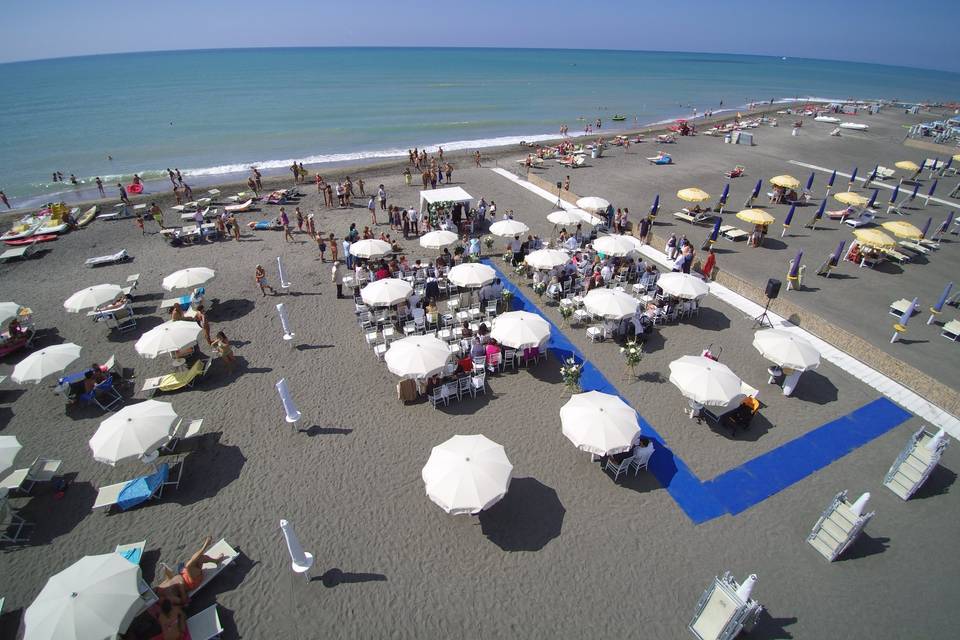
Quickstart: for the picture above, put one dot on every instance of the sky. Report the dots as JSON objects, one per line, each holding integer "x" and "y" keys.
{"x": 881, "y": 31}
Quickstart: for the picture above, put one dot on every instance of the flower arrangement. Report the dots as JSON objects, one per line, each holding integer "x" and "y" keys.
{"x": 539, "y": 288}
{"x": 488, "y": 242}
{"x": 520, "y": 270}
{"x": 570, "y": 372}
{"x": 565, "y": 312}
{"x": 632, "y": 354}
{"x": 507, "y": 299}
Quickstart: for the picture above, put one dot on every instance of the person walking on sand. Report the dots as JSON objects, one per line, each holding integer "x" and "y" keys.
{"x": 261, "y": 277}
{"x": 200, "y": 317}
{"x": 156, "y": 214}
{"x": 140, "y": 224}
{"x": 360, "y": 188}
{"x": 372, "y": 207}
{"x": 296, "y": 173}
{"x": 566, "y": 183}
{"x": 476, "y": 157}
{"x": 3, "y": 198}
{"x": 221, "y": 344}
{"x": 336, "y": 276}
{"x": 179, "y": 177}
{"x": 123, "y": 194}
{"x": 257, "y": 178}
{"x": 321, "y": 246}
{"x": 173, "y": 178}
{"x": 407, "y": 176}
{"x": 299, "y": 220}
{"x": 448, "y": 168}
{"x": 334, "y": 250}
{"x": 100, "y": 187}
{"x": 252, "y": 185}
{"x": 187, "y": 191}
{"x": 234, "y": 226}
{"x": 285, "y": 223}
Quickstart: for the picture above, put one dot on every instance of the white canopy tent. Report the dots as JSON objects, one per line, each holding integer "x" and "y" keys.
{"x": 448, "y": 194}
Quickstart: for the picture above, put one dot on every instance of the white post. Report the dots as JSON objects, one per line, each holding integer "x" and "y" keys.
{"x": 860, "y": 504}
{"x": 746, "y": 589}
{"x": 936, "y": 440}
{"x": 288, "y": 406}
{"x": 285, "y": 323}
{"x": 300, "y": 560}
{"x": 283, "y": 276}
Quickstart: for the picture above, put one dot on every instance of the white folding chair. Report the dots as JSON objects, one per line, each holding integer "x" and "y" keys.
{"x": 479, "y": 383}
{"x": 617, "y": 469}
{"x": 465, "y": 387}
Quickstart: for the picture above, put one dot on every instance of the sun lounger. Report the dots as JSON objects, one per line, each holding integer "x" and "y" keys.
{"x": 951, "y": 330}
{"x": 898, "y": 307}
{"x": 139, "y": 490}
{"x": 884, "y": 173}
{"x": 177, "y": 380}
{"x": 893, "y": 254}
{"x": 916, "y": 247}
{"x": 114, "y": 258}
{"x": 220, "y": 549}
{"x": 11, "y": 525}
{"x": 915, "y": 463}
{"x": 132, "y": 551}
{"x": 18, "y": 253}
{"x": 205, "y": 625}
{"x": 843, "y": 214}
{"x": 837, "y": 527}
{"x": 732, "y": 233}
{"x": 238, "y": 208}
{"x": 721, "y": 614}
{"x": 206, "y": 213}
{"x": 865, "y": 218}
{"x": 41, "y": 470}
{"x": 184, "y": 430}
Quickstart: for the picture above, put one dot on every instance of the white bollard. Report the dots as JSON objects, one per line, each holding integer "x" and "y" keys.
{"x": 936, "y": 440}
{"x": 860, "y": 504}
{"x": 285, "y": 323}
{"x": 300, "y": 560}
{"x": 746, "y": 589}
{"x": 283, "y": 276}
{"x": 288, "y": 406}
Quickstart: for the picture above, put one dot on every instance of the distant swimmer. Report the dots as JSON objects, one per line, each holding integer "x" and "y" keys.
{"x": 54, "y": 176}
{"x": 73, "y": 179}
{"x": 110, "y": 158}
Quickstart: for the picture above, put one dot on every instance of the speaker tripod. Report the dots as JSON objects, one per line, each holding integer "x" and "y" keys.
{"x": 763, "y": 319}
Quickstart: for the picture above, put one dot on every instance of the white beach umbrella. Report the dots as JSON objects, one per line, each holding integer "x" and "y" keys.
{"x": 785, "y": 349}
{"x": 471, "y": 275}
{"x": 9, "y": 447}
{"x": 520, "y": 330}
{"x": 96, "y": 597}
{"x": 705, "y": 381}
{"x": 683, "y": 285}
{"x": 188, "y": 278}
{"x": 547, "y": 258}
{"x": 614, "y": 245}
{"x": 92, "y": 297}
{"x": 168, "y": 337}
{"x": 417, "y": 356}
{"x": 40, "y": 364}
{"x": 593, "y": 204}
{"x": 564, "y": 218}
{"x": 587, "y": 217}
{"x": 9, "y": 310}
{"x": 438, "y": 239}
{"x": 610, "y": 304}
{"x": 508, "y": 228}
{"x": 135, "y": 430}
{"x": 386, "y": 292}
{"x": 599, "y": 423}
{"x": 467, "y": 474}
{"x": 370, "y": 248}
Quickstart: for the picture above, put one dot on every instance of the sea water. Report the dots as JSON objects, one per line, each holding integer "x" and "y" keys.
{"x": 213, "y": 114}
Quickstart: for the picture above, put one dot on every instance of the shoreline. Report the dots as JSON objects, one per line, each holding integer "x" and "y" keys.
{"x": 277, "y": 178}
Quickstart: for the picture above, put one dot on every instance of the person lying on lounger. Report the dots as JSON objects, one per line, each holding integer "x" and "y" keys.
{"x": 176, "y": 587}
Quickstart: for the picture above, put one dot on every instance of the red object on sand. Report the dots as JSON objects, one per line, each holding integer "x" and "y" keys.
{"x": 47, "y": 237}
{"x": 134, "y": 188}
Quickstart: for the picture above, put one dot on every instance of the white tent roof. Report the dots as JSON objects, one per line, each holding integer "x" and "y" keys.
{"x": 448, "y": 194}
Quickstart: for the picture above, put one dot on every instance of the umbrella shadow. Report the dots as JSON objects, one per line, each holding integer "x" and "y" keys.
{"x": 335, "y": 577}
{"x": 816, "y": 387}
{"x": 526, "y": 519}
{"x": 888, "y": 267}
{"x": 55, "y": 508}
{"x": 548, "y": 371}
{"x": 209, "y": 468}
{"x": 46, "y": 337}
{"x": 311, "y": 347}
{"x": 243, "y": 366}
{"x": 759, "y": 426}
{"x": 10, "y": 623}
{"x": 144, "y": 324}
{"x": 774, "y": 244}
{"x": 9, "y": 396}
{"x": 231, "y": 309}
{"x": 710, "y": 320}
{"x": 6, "y": 415}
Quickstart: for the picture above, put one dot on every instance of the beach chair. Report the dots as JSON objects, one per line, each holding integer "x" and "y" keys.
{"x": 40, "y": 470}
{"x": 177, "y": 380}
{"x": 733, "y": 233}
{"x": 11, "y": 525}
{"x": 721, "y": 613}
{"x": 865, "y": 218}
{"x": 915, "y": 247}
{"x": 184, "y": 430}
{"x": 139, "y": 490}
{"x": 883, "y": 173}
{"x": 104, "y": 395}
{"x": 843, "y": 214}
{"x": 113, "y": 258}
{"x": 618, "y": 467}
{"x": 220, "y": 549}
{"x": 205, "y": 625}
{"x": 893, "y": 254}
{"x": 951, "y": 330}
{"x": 838, "y": 527}
{"x": 18, "y": 253}
{"x": 915, "y": 463}
{"x": 132, "y": 551}
{"x": 898, "y": 307}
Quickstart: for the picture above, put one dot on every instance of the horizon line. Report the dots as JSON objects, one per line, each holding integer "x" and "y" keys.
{"x": 476, "y": 47}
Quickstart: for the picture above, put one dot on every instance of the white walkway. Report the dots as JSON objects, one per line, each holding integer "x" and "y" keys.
{"x": 904, "y": 191}
{"x": 869, "y": 376}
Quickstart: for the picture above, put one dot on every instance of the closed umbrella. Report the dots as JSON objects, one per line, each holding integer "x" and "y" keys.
{"x": 693, "y": 194}
{"x": 386, "y": 292}
{"x": 755, "y": 216}
{"x": 471, "y": 275}
{"x": 785, "y": 181}
{"x": 788, "y": 220}
{"x": 683, "y": 285}
{"x": 565, "y": 218}
{"x": 599, "y": 423}
{"x": 785, "y": 349}
{"x": 894, "y": 194}
{"x": 40, "y": 364}
{"x": 92, "y": 297}
{"x": 593, "y": 204}
{"x": 926, "y": 228}
{"x": 188, "y": 278}
{"x": 417, "y": 356}
{"x": 873, "y": 198}
{"x": 874, "y": 238}
{"x": 610, "y": 303}
{"x": 614, "y": 245}
{"x": 97, "y": 597}
{"x": 370, "y": 248}
{"x": 852, "y": 199}
{"x": 902, "y": 229}
{"x": 168, "y": 337}
{"x": 655, "y": 207}
{"x": 520, "y": 330}
{"x": 705, "y": 381}
{"x": 133, "y": 431}
{"x": 467, "y": 474}
{"x": 810, "y": 180}
{"x": 438, "y": 239}
{"x": 9, "y": 447}
{"x": 508, "y": 228}
{"x": 9, "y": 310}
{"x": 547, "y": 258}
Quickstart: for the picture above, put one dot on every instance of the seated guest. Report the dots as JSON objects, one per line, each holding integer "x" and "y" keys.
{"x": 492, "y": 348}
{"x": 465, "y": 328}
{"x": 477, "y": 350}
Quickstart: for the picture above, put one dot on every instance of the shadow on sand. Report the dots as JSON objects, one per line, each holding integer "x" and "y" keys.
{"x": 528, "y": 517}
{"x": 335, "y": 577}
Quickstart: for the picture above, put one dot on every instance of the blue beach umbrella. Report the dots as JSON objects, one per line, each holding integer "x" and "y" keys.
{"x": 905, "y": 316}
{"x": 819, "y": 214}
{"x": 943, "y": 298}
{"x": 789, "y": 218}
{"x": 873, "y": 198}
{"x": 948, "y": 165}
{"x": 923, "y": 163}
{"x": 810, "y": 180}
{"x": 893, "y": 196}
{"x": 926, "y": 228}
{"x": 933, "y": 187}
{"x": 835, "y": 258}
{"x": 716, "y": 230}
{"x": 913, "y": 195}
{"x": 873, "y": 174}
{"x": 853, "y": 176}
{"x": 656, "y": 206}
{"x": 833, "y": 177}
{"x": 756, "y": 188}
{"x": 726, "y": 192}
{"x": 795, "y": 267}
{"x": 946, "y": 223}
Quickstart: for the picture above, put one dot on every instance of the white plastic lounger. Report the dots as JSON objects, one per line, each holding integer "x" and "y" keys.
{"x": 733, "y": 233}
{"x": 721, "y": 613}
{"x": 839, "y": 525}
{"x": 109, "y": 495}
{"x": 41, "y": 470}
{"x": 951, "y": 330}
{"x": 119, "y": 256}
{"x": 17, "y": 253}
{"x": 205, "y": 625}
{"x": 915, "y": 463}
{"x": 898, "y": 307}
{"x": 132, "y": 551}
{"x": 212, "y": 569}
{"x": 884, "y": 173}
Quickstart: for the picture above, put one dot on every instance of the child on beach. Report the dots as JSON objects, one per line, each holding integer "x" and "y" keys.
{"x": 332, "y": 241}
{"x": 140, "y": 224}
{"x": 360, "y": 186}
{"x": 322, "y": 246}
{"x": 261, "y": 277}
{"x": 234, "y": 226}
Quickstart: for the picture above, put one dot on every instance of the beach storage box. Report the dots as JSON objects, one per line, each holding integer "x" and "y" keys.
{"x": 742, "y": 137}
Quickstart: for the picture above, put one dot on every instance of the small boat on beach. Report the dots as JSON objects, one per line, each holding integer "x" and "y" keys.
{"x": 87, "y": 216}
{"x": 856, "y": 126}
{"x": 618, "y": 118}
{"x": 24, "y": 229}
{"x": 829, "y": 119}
{"x": 39, "y": 237}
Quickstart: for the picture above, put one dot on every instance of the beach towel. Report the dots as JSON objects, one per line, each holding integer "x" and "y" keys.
{"x": 141, "y": 489}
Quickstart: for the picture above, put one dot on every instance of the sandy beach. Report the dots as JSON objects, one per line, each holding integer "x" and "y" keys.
{"x": 568, "y": 550}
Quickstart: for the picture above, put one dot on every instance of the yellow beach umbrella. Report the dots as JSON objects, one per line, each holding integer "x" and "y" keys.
{"x": 874, "y": 238}
{"x": 787, "y": 182}
{"x": 852, "y": 199}
{"x": 907, "y": 165}
{"x": 956, "y": 157}
{"x": 693, "y": 194}
{"x": 902, "y": 229}
{"x": 755, "y": 216}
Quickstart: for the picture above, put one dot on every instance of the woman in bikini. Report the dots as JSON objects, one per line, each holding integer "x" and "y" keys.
{"x": 175, "y": 587}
